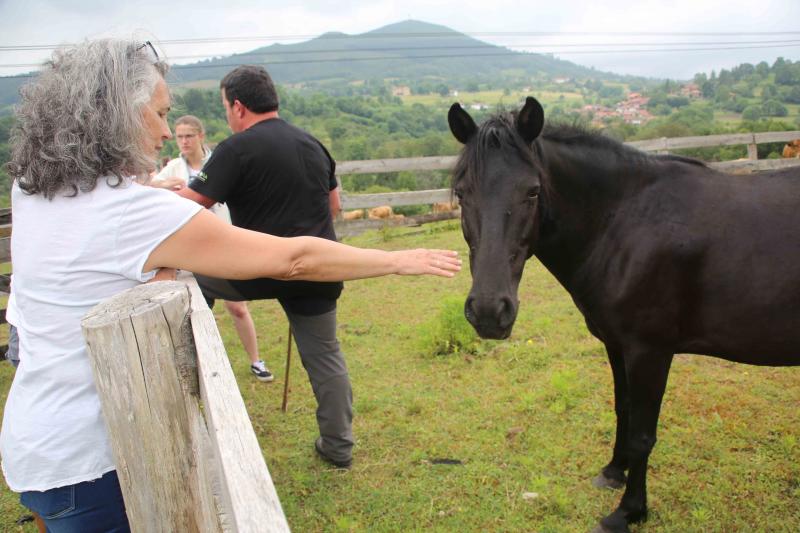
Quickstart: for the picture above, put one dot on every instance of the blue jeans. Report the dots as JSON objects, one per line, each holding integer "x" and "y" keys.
{"x": 86, "y": 507}
{"x": 13, "y": 346}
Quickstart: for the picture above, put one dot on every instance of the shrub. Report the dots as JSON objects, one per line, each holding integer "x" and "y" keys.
{"x": 448, "y": 332}
{"x": 752, "y": 112}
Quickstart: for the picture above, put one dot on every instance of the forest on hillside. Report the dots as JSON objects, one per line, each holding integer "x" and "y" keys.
{"x": 371, "y": 123}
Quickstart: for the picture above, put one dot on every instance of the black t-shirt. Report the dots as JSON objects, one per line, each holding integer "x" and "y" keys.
{"x": 276, "y": 178}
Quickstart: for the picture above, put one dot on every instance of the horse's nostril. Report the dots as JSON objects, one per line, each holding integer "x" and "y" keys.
{"x": 469, "y": 311}
{"x": 506, "y": 313}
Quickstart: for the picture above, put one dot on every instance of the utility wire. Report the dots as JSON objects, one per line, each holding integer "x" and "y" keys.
{"x": 404, "y": 35}
{"x": 790, "y": 42}
{"x": 505, "y": 52}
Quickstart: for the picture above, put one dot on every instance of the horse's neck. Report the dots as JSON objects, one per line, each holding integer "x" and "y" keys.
{"x": 583, "y": 196}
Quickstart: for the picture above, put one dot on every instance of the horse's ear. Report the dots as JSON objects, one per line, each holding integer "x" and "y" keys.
{"x": 461, "y": 124}
{"x": 530, "y": 119}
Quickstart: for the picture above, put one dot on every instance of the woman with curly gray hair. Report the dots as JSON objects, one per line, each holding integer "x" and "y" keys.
{"x": 84, "y": 230}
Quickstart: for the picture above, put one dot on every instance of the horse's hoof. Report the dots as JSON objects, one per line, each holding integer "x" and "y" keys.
{"x": 603, "y": 482}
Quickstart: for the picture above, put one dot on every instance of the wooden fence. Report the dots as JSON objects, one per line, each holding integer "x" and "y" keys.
{"x": 186, "y": 454}
{"x": 662, "y": 145}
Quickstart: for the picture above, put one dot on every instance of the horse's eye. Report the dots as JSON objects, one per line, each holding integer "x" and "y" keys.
{"x": 533, "y": 193}
{"x": 459, "y": 193}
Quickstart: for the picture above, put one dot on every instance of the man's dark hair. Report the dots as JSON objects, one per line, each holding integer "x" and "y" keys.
{"x": 252, "y": 86}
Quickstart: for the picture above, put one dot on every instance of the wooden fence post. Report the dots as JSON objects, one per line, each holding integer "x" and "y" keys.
{"x": 752, "y": 150}
{"x": 157, "y": 356}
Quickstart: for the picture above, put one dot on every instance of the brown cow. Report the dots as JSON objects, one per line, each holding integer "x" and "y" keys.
{"x": 382, "y": 211}
{"x": 792, "y": 149}
{"x": 445, "y": 207}
{"x": 353, "y": 215}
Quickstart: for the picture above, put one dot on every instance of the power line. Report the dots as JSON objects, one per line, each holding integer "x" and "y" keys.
{"x": 506, "y": 52}
{"x": 405, "y": 35}
{"x": 459, "y": 47}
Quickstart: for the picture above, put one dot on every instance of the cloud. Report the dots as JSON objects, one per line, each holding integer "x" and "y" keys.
{"x": 54, "y": 22}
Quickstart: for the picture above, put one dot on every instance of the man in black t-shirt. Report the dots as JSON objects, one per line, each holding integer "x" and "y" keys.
{"x": 278, "y": 179}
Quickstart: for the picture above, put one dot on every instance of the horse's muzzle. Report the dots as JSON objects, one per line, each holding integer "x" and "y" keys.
{"x": 492, "y": 318}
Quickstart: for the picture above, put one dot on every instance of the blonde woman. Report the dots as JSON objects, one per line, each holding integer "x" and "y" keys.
{"x": 190, "y": 135}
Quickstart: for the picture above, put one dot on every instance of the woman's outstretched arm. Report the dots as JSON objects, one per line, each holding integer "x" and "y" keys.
{"x": 206, "y": 245}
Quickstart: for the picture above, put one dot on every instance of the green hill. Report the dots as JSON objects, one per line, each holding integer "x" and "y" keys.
{"x": 408, "y": 51}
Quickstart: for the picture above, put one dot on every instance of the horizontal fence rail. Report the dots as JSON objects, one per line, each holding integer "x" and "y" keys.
{"x": 664, "y": 144}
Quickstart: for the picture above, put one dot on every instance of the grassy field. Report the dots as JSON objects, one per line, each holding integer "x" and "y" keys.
{"x": 532, "y": 414}
{"x": 493, "y": 98}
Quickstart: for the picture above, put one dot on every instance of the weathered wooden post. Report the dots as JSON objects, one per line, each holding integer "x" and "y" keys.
{"x": 752, "y": 149}
{"x": 186, "y": 454}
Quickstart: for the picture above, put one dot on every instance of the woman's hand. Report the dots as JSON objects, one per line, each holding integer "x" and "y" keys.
{"x": 173, "y": 184}
{"x": 443, "y": 263}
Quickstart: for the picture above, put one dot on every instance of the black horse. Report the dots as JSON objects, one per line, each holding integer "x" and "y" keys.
{"x": 660, "y": 253}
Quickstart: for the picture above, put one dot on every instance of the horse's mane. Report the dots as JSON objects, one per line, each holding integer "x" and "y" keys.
{"x": 498, "y": 131}
{"x": 571, "y": 134}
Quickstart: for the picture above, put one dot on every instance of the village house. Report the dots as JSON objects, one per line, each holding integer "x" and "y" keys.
{"x": 401, "y": 90}
{"x": 632, "y": 110}
{"x": 691, "y": 90}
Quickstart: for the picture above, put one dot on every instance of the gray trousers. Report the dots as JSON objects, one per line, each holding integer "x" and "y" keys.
{"x": 327, "y": 371}
{"x": 323, "y": 360}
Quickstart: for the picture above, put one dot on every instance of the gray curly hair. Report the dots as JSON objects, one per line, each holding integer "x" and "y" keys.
{"x": 81, "y": 118}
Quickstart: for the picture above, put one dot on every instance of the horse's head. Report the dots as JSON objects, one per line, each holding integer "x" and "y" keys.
{"x": 497, "y": 180}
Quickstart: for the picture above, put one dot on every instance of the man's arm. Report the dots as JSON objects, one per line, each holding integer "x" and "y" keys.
{"x": 195, "y": 196}
{"x": 335, "y": 202}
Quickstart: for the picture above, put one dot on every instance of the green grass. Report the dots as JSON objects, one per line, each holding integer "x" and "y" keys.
{"x": 533, "y": 414}
{"x": 492, "y": 98}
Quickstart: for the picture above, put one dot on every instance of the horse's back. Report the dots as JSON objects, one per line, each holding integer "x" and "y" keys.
{"x": 704, "y": 262}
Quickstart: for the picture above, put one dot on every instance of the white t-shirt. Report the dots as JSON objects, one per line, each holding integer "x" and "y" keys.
{"x": 69, "y": 254}
{"x": 179, "y": 168}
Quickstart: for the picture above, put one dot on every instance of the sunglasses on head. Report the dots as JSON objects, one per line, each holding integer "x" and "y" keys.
{"x": 148, "y": 44}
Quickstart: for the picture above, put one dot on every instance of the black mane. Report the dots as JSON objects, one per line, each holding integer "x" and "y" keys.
{"x": 498, "y": 131}
{"x": 572, "y": 135}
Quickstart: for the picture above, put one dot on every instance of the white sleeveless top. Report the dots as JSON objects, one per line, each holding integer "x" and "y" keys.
{"x": 69, "y": 254}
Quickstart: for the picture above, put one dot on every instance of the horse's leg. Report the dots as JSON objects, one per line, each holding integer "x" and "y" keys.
{"x": 647, "y": 378}
{"x": 613, "y": 474}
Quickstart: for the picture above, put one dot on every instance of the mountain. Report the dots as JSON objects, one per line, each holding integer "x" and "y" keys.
{"x": 409, "y": 51}
{"x": 9, "y": 90}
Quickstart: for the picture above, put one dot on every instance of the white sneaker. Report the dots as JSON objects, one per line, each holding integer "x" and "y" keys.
{"x": 260, "y": 371}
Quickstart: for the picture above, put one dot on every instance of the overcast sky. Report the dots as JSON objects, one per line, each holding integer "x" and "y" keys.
{"x": 740, "y": 30}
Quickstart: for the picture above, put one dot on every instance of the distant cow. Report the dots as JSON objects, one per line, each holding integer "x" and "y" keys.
{"x": 445, "y": 207}
{"x": 382, "y": 211}
{"x": 353, "y": 215}
{"x": 792, "y": 149}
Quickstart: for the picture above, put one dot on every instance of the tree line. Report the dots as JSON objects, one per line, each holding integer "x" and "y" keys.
{"x": 376, "y": 125}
